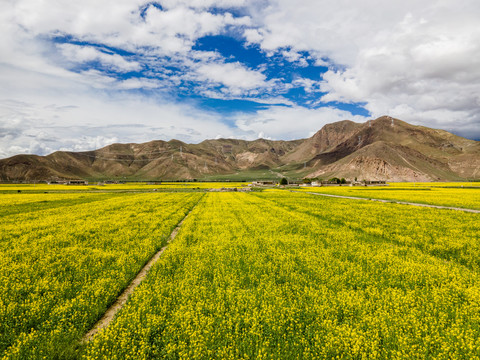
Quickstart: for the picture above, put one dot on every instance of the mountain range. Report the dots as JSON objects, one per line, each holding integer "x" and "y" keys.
{"x": 381, "y": 149}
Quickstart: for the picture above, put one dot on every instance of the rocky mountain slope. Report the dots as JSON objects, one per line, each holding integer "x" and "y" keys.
{"x": 380, "y": 149}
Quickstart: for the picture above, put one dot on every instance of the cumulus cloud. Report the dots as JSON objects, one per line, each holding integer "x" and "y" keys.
{"x": 418, "y": 61}
{"x": 236, "y": 77}
{"x": 289, "y": 123}
{"x": 424, "y": 74}
{"x": 205, "y": 4}
{"x": 66, "y": 70}
{"x": 31, "y": 127}
{"x": 80, "y": 54}
{"x": 47, "y": 105}
{"x": 127, "y": 24}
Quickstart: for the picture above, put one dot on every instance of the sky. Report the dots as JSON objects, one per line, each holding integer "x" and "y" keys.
{"x": 79, "y": 75}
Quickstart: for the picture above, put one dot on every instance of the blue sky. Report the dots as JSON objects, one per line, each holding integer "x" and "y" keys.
{"x": 296, "y": 82}
{"x": 82, "y": 75}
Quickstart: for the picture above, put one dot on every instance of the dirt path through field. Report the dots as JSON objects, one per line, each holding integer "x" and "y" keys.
{"x": 392, "y": 201}
{"x": 122, "y": 299}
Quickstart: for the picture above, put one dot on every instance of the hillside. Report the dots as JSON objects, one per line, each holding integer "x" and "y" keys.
{"x": 380, "y": 149}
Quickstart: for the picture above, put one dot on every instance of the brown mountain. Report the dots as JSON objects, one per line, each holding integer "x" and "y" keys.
{"x": 381, "y": 149}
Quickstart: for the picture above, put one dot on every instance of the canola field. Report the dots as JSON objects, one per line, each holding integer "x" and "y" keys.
{"x": 127, "y": 187}
{"x": 462, "y": 195}
{"x": 261, "y": 275}
{"x": 65, "y": 258}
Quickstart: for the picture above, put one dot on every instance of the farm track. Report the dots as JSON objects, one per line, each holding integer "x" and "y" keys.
{"x": 391, "y": 201}
{"x": 109, "y": 315}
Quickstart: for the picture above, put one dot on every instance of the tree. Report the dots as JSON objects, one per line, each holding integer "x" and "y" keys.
{"x": 284, "y": 181}
{"x": 335, "y": 180}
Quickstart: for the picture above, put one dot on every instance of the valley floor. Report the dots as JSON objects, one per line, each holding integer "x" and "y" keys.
{"x": 270, "y": 274}
{"x": 461, "y": 195}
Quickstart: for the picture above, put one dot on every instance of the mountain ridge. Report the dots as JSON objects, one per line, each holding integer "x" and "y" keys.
{"x": 381, "y": 149}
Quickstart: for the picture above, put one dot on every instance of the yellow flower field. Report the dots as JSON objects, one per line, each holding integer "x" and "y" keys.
{"x": 272, "y": 274}
{"x": 282, "y": 275}
{"x": 66, "y": 257}
{"x": 443, "y": 194}
{"x": 96, "y": 187}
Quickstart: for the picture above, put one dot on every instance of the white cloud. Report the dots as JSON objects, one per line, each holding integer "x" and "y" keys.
{"x": 119, "y": 24}
{"x": 76, "y": 53}
{"x": 205, "y": 4}
{"x": 337, "y": 30}
{"x": 45, "y": 107}
{"x": 416, "y": 60}
{"x": 236, "y": 77}
{"x": 424, "y": 74}
{"x": 308, "y": 85}
{"x": 295, "y": 57}
{"x": 252, "y": 36}
{"x": 157, "y": 38}
{"x": 97, "y": 120}
{"x": 69, "y": 114}
{"x": 138, "y": 83}
{"x": 280, "y": 122}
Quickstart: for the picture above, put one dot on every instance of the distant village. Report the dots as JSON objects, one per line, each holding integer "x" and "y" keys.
{"x": 316, "y": 183}
{"x": 284, "y": 182}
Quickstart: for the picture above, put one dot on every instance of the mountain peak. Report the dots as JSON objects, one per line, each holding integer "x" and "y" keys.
{"x": 385, "y": 148}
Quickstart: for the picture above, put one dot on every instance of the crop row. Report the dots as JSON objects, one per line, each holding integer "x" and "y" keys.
{"x": 435, "y": 195}
{"x": 24, "y": 203}
{"x": 63, "y": 265}
{"x": 281, "y": 275}
{"x": 37, "y": 188}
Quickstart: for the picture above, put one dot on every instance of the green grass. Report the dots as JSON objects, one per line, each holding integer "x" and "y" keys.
{"x": 244, "y": 176}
